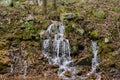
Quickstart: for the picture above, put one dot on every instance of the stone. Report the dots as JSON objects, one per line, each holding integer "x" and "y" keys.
{"x": 42, "y": 33}
{"x": 5, "y": 2}
{"x": 3, "y": 13}
{"x": 99, "y": 13}
{"x": 79, "y": 30}
{"x": 18, "y": 5}
{"x": 67, "y": 16}
{"x": 30, "y": 2}
{"x": 68, "y": 74}
{"x": 30, "y": 18}
{"x": 94, "y": 35}
{"x": 35, "y": 2}
{"x": 106, "y": 40}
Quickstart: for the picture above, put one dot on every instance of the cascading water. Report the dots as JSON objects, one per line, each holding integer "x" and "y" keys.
{"x": 19, "y": 63}
{"x": 25, "y": 69}
{"x": 95, "y": 63}
{"x": 94, "y": 59}
{"x": 57, "y": 50}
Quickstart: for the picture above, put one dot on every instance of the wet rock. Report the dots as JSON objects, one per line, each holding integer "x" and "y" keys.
{"x": 42, "y": 32}
{"x": 5, "y": 2}
{"x": 55, "y": 66}
{"x": 68, "y": 74}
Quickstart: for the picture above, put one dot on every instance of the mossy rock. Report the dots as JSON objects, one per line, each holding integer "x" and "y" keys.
{"x": 94, "y": 35}
{"x": 78, "y": 30}
{"x": 67, "y": 16}
{"x": 5, "y": 2}
{"x": 99, "y": 14}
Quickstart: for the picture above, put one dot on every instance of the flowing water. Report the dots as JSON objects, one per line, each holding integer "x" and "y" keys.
{"x": 19, "y": 63}
{"x": 94, "y": 59}
{"x": 95, "y": 63}
{"x": 57, "y": 50}
{"x": 25, "y": 69}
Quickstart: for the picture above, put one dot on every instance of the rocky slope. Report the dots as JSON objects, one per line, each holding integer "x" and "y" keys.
{"x": 85, "y": 20}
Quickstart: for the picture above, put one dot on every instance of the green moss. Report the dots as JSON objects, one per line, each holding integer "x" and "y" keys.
{"x": 44, "y": 24}
{"x": 94, "y": 35}
{"x": 116, "y": 9}
{"x": 74, "y": 46}
{"x": 105, "y": 49}
{"x": 69, "y": 29}
{"x": 99, "y": 14}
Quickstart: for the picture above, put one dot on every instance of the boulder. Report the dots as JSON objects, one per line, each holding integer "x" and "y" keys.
{"x": 107, "y": 40}
{"x": 67, "y": 16}
{"x": 5, "y": 2}
{"x": 18, "y": 5}
{"x": 78, "y": 30}
{"x": 99, "y": 14}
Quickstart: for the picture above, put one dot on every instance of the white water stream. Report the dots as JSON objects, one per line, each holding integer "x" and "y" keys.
{"x": 56, "y": 49}
{"x": 95, "y": 63}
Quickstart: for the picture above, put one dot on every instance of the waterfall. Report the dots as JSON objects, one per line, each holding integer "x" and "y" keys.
{"x": 19, "y": 63}
{"x": 25, "y": 69}
{"x": 95, "y": 63}
{"x": 56, "y": 49}
{"x": 94, "y": 59}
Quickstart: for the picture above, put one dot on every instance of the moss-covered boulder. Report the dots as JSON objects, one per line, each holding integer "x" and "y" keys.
{"x": 101, "y": 14}
{"x": 5, "y": 2}
{"x": 94, "y": 35}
